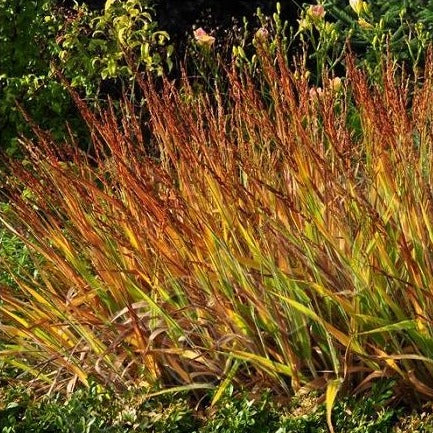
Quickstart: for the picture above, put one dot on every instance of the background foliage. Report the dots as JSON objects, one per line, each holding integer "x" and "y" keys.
{"x": 87, "y": 46}
{"x": 27, "y": 39}
{"x": 371, "y": 29}
{"x": 87, "y": 43}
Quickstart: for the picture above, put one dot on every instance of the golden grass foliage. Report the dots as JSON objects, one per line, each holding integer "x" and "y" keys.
{"x": 281, "y": 235}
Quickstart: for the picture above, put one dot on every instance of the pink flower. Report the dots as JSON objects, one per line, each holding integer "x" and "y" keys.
{"x": 315, "y": 93}
{"x": 199, "y": 32}
{"x": 203, "y": 39}
{"x": 316, "y": 12}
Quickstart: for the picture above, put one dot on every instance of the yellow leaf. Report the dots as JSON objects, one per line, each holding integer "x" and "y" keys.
{"x": 331, "y": 393}
{"x": 226, "y": 382}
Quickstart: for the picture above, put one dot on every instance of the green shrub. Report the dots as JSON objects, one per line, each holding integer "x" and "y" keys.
{"x": 38, "y": 38}
{"x": 92, "y": 46}
{"x": 242, "y": 413}
{"x": 371, "y": 28}
{"x": 101, "y": 410}
{"x": 27, "y": 36}
{"x": 95, "y": 410}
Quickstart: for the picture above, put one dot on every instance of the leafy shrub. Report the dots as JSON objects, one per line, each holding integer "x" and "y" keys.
{"x": 370, "y": 414}
{"x": 416, "y": 422}
{"x": 27, "y": 35}
{"x": 87, "y": 46}
{"x": 92, "y": 44}
{"x": 242, "y": 413}
{"x": 372, "y": 28}
{"x": 94, "y": 410}
{"x": 102, "y": 410}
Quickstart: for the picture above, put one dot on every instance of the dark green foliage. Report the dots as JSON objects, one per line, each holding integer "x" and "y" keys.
{"x": 372, "y": 413}
{"x": 369, "y": 414}
{"x": 93, "y": 411}
{"x": 243, "y": 414}
{"x": 13, "y": 255}
{"x": 371, "y": 28}
{"x": 41, "y": 37}
{"x": 27, "y": 38}
{"x": 23, "y": 33}
{"x": 101, "y": 410}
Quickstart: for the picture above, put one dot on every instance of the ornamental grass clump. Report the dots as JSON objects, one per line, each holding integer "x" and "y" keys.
{"x": 273, "y": 236}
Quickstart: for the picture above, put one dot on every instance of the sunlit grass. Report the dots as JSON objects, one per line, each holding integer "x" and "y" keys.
{"x": 282, "y": 236}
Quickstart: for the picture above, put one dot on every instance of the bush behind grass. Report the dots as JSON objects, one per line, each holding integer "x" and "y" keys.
{"x": 88, "y": 46}
{"x": 40, "y": 37}
{"x": 403, "y": 28}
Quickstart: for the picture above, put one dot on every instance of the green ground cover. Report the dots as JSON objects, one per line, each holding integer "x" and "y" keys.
{"x": 99, "y": 410}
